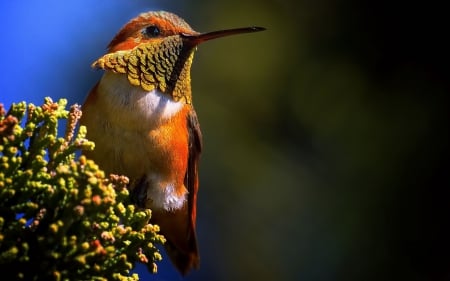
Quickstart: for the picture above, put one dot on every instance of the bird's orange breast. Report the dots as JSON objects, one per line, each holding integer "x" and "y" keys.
{"x": 139, "y": 134}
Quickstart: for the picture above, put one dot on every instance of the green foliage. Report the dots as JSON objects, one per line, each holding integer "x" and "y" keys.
{"x": 60, "y": 218}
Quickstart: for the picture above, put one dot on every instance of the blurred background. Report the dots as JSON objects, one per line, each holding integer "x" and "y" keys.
{"x": 326, "y": 136}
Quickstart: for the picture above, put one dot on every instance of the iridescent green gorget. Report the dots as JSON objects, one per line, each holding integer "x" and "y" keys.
{"x": 163, "y": 65}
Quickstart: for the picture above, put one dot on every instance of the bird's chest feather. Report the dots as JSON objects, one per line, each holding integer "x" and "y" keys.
{"x": 142, "y": 135}
{"x": 132, "y": 107}
{"x": 134, "y": 125}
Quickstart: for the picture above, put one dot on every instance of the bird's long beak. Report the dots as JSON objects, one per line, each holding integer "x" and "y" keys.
{"x": 196, "y": 39}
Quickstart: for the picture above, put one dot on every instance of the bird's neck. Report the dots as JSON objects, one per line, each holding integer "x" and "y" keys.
{"x": 132, "y": 105}
{"x": 153, "y": 69}
{"x": 179, "y": 82}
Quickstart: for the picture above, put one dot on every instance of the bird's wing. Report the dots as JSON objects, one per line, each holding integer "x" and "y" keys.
{"x": 191, "y": 178}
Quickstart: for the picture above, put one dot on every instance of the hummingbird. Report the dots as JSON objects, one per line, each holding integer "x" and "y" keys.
{"x": 141, "y": 117}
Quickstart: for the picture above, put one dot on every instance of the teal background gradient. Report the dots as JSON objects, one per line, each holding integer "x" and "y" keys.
{"x": 326, "y": 136}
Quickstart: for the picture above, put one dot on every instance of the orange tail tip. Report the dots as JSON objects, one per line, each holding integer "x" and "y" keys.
{"x": 181, "y": 240}
{"x": 184, "y": 262}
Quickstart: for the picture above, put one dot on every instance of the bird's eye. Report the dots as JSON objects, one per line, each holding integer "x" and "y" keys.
{"x": 151, "y": 31}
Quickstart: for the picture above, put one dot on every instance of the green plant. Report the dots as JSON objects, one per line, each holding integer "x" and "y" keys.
{"x": 60, "y": 217}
